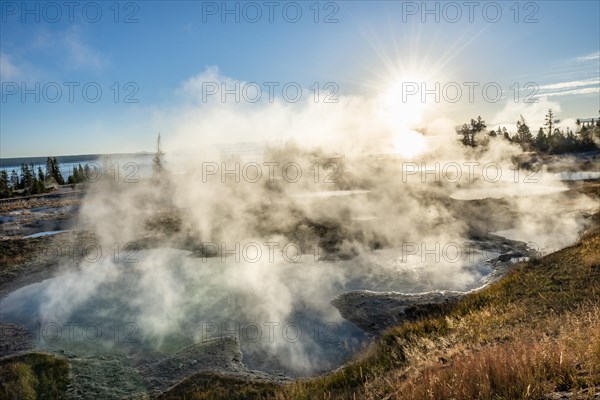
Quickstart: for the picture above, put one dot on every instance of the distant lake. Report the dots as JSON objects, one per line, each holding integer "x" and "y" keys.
{"x": 107, "y": 163}
{"x": 138, "y": 165}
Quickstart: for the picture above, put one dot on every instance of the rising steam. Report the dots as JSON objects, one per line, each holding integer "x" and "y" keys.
{"x": 176, "y": 287}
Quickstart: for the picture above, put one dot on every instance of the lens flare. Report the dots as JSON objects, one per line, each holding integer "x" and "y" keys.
{"x": 409, "y": 144}
{"x": 403, "y": 113}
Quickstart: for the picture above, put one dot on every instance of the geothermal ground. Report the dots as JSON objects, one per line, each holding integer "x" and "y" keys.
{"x": 136, "y": 317}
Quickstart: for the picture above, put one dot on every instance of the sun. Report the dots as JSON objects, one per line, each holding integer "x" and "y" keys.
{"x": 403, "y": 111}
{"x": 400, "y": 104}
{"x": 409, "y": 143}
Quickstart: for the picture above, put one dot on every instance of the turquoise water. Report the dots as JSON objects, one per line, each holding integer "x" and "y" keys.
{"x": 279, "y": 311}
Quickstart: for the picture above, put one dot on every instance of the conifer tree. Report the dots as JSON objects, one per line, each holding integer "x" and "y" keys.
{"x": 524, "y": 136}
{"x": 158, "y": 160}
{"x": 41, "y": 177}
{"x": 541, "y": 141}
{"x": 5, "y": 190}
{"x": 14, "y": 180}
{"x": 549, "y": 123}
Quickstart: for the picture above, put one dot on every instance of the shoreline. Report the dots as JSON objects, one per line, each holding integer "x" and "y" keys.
{"x": 375, "y": 312}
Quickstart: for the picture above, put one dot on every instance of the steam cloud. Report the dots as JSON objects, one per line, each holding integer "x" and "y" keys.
{"x": 169, "y": 292}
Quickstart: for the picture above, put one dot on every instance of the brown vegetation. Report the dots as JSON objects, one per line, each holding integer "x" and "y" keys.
{"x": 535, "y": 332}
{"x": 33, "y": 376}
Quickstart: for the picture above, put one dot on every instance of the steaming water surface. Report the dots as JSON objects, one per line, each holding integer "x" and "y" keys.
{"x": 534, "y": 184}
{"x": 498, "y": 192}
{"x": 40, "y": 234}
{"x": 280, "y": 311}
{"x": 579, "y": 175}
{"x": 169, "y": 299}
{"x": 331, "y": 193}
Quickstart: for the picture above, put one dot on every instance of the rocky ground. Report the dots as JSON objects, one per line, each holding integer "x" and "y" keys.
{"x": 375, "y": 312}
{"x": 14, "y": 339}
{"x": 27, "y": 260}
{"x": 117, "y": 376}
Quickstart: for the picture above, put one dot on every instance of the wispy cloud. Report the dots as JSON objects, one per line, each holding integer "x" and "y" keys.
{"x": 8, "y": 70}
{"x": 571, "y": 84}
{"x": 80, "y": 54}
{"x": 587, "y": 86}
{"x": 589, "y": 57}
{"x": 572, "y": 92}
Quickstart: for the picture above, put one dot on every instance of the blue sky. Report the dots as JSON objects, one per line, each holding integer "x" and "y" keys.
{"x": 153, "y": 51}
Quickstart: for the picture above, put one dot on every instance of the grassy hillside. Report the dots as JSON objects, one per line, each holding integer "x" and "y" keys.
{"x": 33, "y": 376}
{"x": 208, "y": 386}
{"x": 535, "y": 332}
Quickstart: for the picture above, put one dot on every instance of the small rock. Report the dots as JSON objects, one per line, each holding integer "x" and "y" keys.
{"x": 193, "y": 362}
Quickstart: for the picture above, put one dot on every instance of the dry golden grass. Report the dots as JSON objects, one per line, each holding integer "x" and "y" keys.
{"x": 525, "y": 368}
{"x": 33, "y": 376}
{"x": 209, "y": 385}
{"x": 535, "y": 332}
{"x": 19, "y": 382}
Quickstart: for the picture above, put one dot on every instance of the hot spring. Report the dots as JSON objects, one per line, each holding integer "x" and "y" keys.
{"x": 257, "y": 281}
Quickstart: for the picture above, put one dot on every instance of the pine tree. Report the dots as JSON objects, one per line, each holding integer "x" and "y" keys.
{"x": 585, "y": 136}
{"x": 469, "y": 132}
{"x": 48, "y": 167}
{"x": 541, "y": 141}
{"x": 478, "y": 125}
{"x": 524, "y": 136}
{"x": 55, "y": 171}
{"x": 4, "y": 184}
{"x": 571, "y": 142}
{"x": 466, "y": 132}
{"x": 41, "y": 176}
{"x": 37, "y": 187}
{"x": 14, "y": 180}
{"x": 158, "y": 160}
{"x": 557, "y": 142}
{"x": 549, "y": 123}
{"x": 78, "y": 175}
{"x": 26, "y": 180}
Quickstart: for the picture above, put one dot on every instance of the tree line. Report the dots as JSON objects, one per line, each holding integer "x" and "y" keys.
{"x": 28, "y": 180}
{"x": 549, "y": 139}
